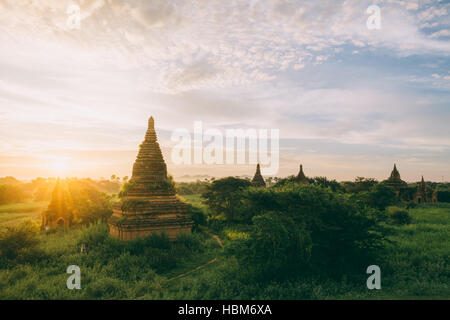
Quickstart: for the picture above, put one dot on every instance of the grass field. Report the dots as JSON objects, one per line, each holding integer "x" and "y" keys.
{"x": 13, "y": 214}
{"x": 415, "y": 266}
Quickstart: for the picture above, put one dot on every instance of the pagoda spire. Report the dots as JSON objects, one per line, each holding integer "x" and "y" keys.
{"x": 301, "y": 178}
{"x": 258, "y": 180}
{"x": 149, "y": 166}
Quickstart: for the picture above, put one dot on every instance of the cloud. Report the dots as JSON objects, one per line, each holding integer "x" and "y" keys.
{"x": 234, "y": 43}
{"x": 440, "y": 33}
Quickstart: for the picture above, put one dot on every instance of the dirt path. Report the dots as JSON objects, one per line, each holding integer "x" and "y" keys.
{"x": 193, "y": 270}
{"x": 219, "y": 242}
{"x": 217, "y": 239}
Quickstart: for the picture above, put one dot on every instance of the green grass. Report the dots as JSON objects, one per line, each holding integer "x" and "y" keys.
{"x": 12, "y": 214}
{"x": 415, "y": 266}
{"x": 195, "y": 200}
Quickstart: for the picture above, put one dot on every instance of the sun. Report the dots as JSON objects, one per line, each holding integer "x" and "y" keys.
{"x": 59, "y": 166}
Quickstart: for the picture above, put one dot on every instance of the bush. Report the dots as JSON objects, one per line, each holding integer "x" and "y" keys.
{"x": 343, "y": 237}
{"x": 190, "y": 241}
{"x": 216, "y": 223}
{"x": 94, "y": 234}
{"x": 157, "y": 241}
{"x": 106, "y": 288}
{"x": 276, "y": 248}
{"x": 19, "y": 242}
{"x": 398, "y": 216}
{"x": 197, "y": 216}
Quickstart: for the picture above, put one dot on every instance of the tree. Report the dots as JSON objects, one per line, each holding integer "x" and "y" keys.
{"x": 343, "y": 236}
{"x": 359, "y": 185}
{"x": 332, "y": 184}
{"x": 380, "y": 196}
{"x": 224, "y": 196}
{"x": 276, "y": 248}
{"x": 12, "y": 193}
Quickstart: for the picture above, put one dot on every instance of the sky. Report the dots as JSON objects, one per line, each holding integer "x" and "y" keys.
{"x": 347, "y": 100}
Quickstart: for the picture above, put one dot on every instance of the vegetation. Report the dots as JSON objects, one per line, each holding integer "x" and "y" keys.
{"x": 288, "y": 241}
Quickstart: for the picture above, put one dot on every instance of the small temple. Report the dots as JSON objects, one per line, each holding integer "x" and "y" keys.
{"x": 148, "y": 202}
{"x": 258, "y": 180}
{"x": 58, "y": 213}
{"x": 301, "y": 178}
{"x": 423, "y": 195}
{"x": 395, "y": 182}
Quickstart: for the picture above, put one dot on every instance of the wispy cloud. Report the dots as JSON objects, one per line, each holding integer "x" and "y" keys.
{"x": 310, "y": 68}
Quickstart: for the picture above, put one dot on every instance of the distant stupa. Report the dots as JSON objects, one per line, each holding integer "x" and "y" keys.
{"x": 59, "y": 212}
{"x": 301, "y": 178}
{"x": 423, "y": 194}
{"x": 149, "y": 203}
{"x": 395, "y": 182}
{"x": 258, "y": 180}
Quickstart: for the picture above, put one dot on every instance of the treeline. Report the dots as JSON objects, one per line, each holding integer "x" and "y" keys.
{"x": 360, "y": 184}
{"x": 189, "y": 188}
{"x": 80, "y": 202}
{"x": 324, "y": 228}
{"x": 40, "y": 189}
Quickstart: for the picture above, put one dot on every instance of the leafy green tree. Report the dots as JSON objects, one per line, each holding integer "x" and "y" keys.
{"x": 224, "y": 196}
{"x": 332, "y": 184}
{"x": 276, "y": 247}
{"x": 13, "y": 193}
{"x": 360, "y": 184}
{"x": 342, "y": 235}
{"x": 380, "y": 196}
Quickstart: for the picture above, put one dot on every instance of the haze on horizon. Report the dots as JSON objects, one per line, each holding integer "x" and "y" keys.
{"x": 348, "y": 101}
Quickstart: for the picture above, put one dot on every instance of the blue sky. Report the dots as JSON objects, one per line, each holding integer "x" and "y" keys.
{"x": 348, "y": 101}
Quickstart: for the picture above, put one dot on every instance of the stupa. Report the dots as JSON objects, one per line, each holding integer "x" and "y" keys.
{"x": 395, "y": 182}
{"x": 148, "y": 202}
{"x": 301, "y": 178}
{"x": 258, "y": 180}
{"x": 59, "y": 212}
{"x": 421, "y": 195}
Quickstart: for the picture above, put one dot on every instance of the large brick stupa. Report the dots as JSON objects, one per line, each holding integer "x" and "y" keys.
{"x": 148, "y": 202}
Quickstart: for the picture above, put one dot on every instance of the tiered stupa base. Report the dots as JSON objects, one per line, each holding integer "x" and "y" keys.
{"x": 140, "y": 217}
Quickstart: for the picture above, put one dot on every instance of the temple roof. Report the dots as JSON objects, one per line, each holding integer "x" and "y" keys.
{"x": 258, "y": 180}
{"x": 422, "y": 186}
{"x": 301, "y": 178}
{"x": 394, "y": 179}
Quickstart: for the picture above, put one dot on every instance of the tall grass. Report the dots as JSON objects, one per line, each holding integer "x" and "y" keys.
{"x": 415, "y": 265}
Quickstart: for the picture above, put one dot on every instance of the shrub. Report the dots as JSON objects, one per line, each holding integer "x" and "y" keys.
{"x": 157, "y": 241}
{"x": 94, "y": 234}
{"x": 197, "y": 216}
{"x": 276, "y": 248}
{"x": 19, "y": 242}
{"x": 342, "y": 236}
{"x": 106, "y": 288}
{"x": 190, "y": 241}
{"x": 216, "y": 223}
{"x": 398, "y": 216}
